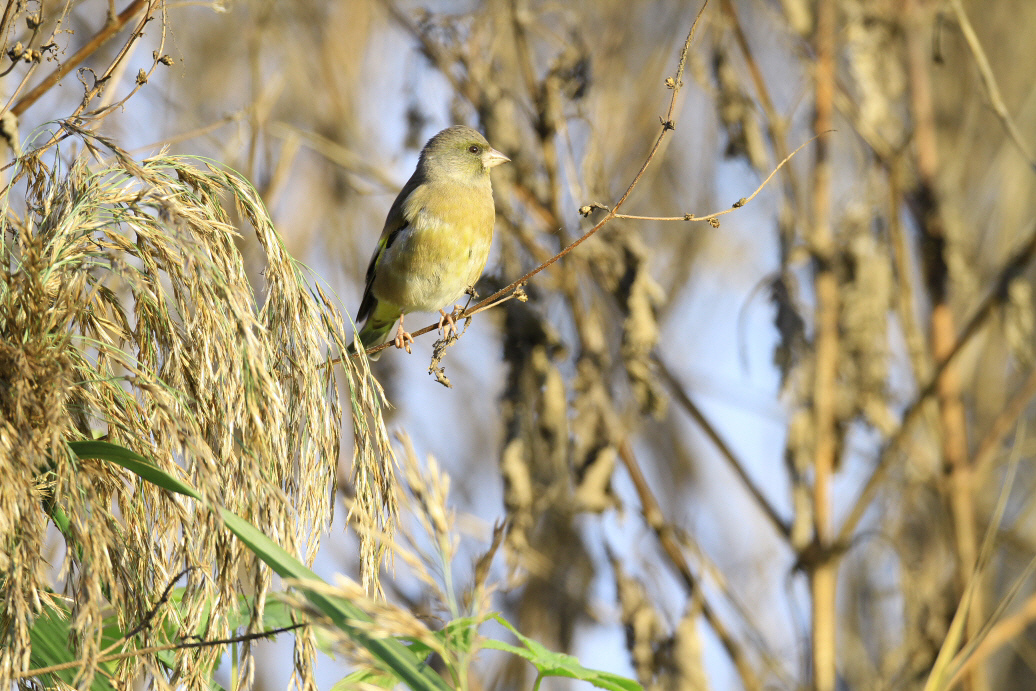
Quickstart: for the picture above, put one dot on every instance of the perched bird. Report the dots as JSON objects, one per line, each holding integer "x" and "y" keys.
{"x": 436, "y": 238}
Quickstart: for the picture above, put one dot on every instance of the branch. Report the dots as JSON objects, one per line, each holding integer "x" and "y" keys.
{"x": 111, "y": 27}
{"x": 734, "y": 207}
{"x": 73, "y": 664}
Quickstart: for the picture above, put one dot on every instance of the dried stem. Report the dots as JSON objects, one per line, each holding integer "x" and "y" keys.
{"x": 1015, "y": 264}
{"x": 778, "y": 523}
{"x": 952, "y": 421}
{"x": 823, "y": 574}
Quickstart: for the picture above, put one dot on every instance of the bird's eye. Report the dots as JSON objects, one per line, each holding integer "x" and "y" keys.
{"x": 474, "y": 149}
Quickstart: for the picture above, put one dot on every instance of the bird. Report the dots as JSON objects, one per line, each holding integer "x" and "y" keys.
{"x": 436, "y": 238}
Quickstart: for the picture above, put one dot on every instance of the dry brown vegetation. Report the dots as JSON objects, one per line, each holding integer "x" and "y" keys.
{"x": 787, "y": 448}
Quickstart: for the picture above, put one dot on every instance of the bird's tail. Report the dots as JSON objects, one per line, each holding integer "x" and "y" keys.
{"x": 374, "y": 332}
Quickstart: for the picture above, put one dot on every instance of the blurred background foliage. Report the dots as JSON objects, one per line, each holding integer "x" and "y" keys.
{"x": 783, "y": 451}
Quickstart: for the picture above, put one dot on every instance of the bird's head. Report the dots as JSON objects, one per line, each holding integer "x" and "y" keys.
{"x": 460, "y": 153}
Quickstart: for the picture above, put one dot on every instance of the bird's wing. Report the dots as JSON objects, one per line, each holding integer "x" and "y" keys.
{"x": 395, "y": 223}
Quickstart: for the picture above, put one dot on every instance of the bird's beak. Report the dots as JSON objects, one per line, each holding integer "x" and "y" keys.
{"x": 492, "y": 157}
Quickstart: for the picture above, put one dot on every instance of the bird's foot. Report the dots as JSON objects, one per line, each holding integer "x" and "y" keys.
{"x": 448, "y": 322}
{"x": 403, "y": 340}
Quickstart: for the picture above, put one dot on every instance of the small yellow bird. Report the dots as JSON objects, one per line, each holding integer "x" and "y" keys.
{"x": 436, "y": 238}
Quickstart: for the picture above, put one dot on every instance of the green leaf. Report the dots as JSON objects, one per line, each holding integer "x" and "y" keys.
{"x": 368, "y": 677}
{"x": 133, "y": 462}
{"x": 49, "y": 637}
{"x": 551, "y": 664}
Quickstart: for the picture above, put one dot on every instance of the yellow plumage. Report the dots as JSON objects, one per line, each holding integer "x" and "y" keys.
{"x": 436, "y": 238}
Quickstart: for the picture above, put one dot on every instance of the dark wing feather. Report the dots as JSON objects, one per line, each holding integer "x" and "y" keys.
{"x": 395, "y": 223}
{"x": 367, "y": 303}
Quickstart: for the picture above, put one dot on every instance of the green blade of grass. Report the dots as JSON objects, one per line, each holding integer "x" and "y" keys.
{"x": 49, "y": 635}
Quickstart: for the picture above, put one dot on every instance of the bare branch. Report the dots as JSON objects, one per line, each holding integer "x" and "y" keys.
{"x": 109, "y": 30}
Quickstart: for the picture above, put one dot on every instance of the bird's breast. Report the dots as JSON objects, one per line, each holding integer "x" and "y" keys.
{"x": 438, "y": 255}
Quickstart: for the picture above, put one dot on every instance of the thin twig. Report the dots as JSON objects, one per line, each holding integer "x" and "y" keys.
{"x": 739, "y": 203}
{"x": 145, "y": 622}
{"x": 73, "y": 664}
{"x": 8, "y": 17}
{"x": 1004, "y": 423}
{"x": 123, "y": 55}
{"x": 21, "y": 85}
{"x": 776, "y": 125}
{"x": 99, "y": 83}
{"x": 778, "y": 523}
{"x": 989, "y": 82}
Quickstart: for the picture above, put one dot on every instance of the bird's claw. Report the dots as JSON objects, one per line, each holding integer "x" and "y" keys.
{"x": 448, "y": 322}
{"x": 403, "y": 339}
